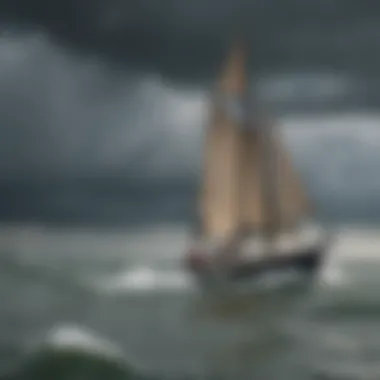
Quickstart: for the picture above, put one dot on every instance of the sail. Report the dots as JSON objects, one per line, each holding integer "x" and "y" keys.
{"x": 249, "y": 180}
{"x": 293, "y": 200}
{"x": 250, "y": 203}
{"x": 219, "y": 206}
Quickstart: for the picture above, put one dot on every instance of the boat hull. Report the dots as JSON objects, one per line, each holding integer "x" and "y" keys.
{"x": 299, "y": 265}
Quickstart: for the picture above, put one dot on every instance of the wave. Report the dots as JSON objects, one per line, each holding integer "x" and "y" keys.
{"x": 72, "y": 350}
{"x": 152, "y": 272}
{"x": 145, "y": 279}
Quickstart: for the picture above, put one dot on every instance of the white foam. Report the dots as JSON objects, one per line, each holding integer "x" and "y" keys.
{"x": 333, "y": 276}
{"x": 146, "y": 279}
{"x": 286, "y": 243}
{"x": 76, "y": 338}
{"x": 356, "y": 244}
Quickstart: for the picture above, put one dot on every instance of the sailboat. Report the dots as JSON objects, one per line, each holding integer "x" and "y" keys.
{"x": 254, "y": 213}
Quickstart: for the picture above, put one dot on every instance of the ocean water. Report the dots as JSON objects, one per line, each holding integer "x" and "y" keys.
{"x": 116, "y": 304}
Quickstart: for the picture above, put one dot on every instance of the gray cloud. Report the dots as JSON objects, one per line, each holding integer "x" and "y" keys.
{"x": 69, "y": 115}
{"x": 185, "y": 40}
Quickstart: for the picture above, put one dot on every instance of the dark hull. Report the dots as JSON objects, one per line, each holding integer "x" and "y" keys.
{"x": 305, "y": 262}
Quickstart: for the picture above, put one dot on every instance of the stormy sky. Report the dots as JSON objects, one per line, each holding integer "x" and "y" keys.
{"x": 119, "y": 87}
{"x": 186, "y": 39}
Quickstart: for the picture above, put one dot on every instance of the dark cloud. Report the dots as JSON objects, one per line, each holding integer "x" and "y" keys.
{"x": 74, "y": 114}
{"x": 185, "y": 39}
{"x": 64, "y": 115}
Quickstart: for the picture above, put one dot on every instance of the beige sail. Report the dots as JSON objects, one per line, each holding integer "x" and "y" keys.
{"x": 251, "y": 207}
{"x": 234, "y": 79}
{"x": 219, "y": 206}
{"x": 234, "y": 194}
{"x": 293, "y": 201}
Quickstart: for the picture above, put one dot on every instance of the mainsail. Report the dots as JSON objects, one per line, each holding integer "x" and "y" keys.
{"x": 248, "y": 181}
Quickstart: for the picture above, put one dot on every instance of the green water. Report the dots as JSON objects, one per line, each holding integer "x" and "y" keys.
{"x": 129, "y": 289}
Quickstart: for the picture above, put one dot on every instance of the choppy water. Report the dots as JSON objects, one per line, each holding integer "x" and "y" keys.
{"x": 123, "y": 297}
